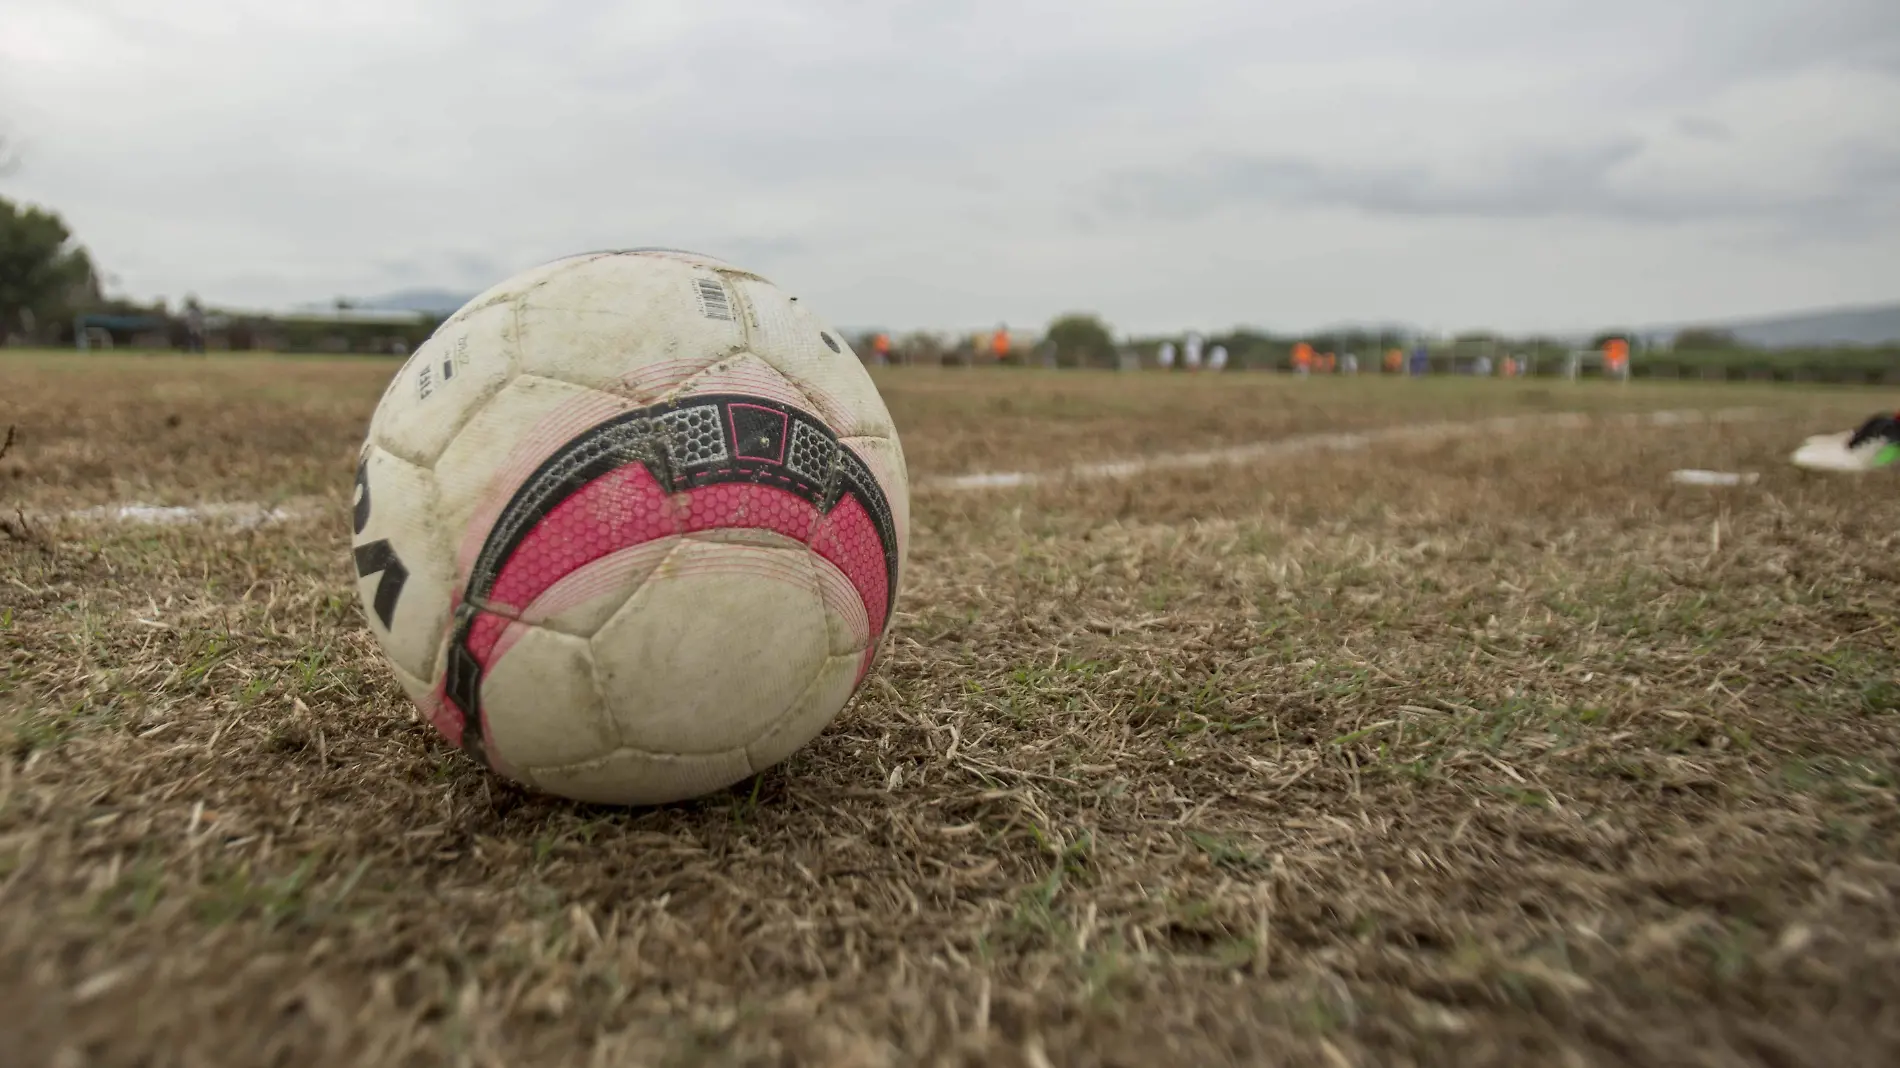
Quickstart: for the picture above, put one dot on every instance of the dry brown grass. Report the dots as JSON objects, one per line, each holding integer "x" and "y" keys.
{"x": 1487, "y": 753}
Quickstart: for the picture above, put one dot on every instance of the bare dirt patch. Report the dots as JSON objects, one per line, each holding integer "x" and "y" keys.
{"x": 1475, "y": 752}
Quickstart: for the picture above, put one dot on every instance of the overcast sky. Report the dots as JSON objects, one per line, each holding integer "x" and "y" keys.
{"x": 1454, "y": 163}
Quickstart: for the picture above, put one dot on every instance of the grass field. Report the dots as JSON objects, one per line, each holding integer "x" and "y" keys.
{"x": 1496, "y": 750}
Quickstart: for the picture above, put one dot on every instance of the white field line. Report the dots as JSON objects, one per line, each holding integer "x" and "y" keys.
{"x": 253, "y": 514}
{"x": 1694, "y": 476}
{"x": 236, "y": 513}
{"x": 1347, "y": 441}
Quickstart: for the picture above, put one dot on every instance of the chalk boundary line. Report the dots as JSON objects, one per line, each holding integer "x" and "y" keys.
{"x": 255, "y": 514}
{"x": 1330, "y": 441}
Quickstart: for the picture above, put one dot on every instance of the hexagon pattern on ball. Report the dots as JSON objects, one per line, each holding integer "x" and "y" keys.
{"x": 631, "y": 525}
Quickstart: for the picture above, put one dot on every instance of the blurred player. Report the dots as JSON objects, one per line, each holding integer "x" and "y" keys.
{"x": 1191, "y": 352}
{"x": 1217, "y": 358}
{"x": 194, "y": 325}
{"x": 1165, "y": 356}
{"x": 881, "y": 348}
{"x": 1302, "y": 359}
{"x": 1616, "y": 358}
{"x": 999, "y": 343}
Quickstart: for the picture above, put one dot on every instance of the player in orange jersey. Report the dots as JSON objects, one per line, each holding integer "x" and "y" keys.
{"x": 1303, "y": 359}
{"x": 1616, "y": 357}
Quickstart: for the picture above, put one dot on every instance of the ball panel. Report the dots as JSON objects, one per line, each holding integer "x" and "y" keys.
{"x": 623, "y": 508}
{"x": 715, "y": 646}
{"x": 479, "y": 641}
{"x": 681, "y": 254}
{"x": 633, "y": 325}
{"x": 793, "y": 341}
{"x": 541, "y": 704}
{"x": 885, "y": 459}
{"x": 420, "y": 691}
{"x": 430, "y": 707}
{"x": 814, "y": 709}
{"x": 614, "y": 518}
{"x": 445, "y": 383}
{"x": 742, "y": 506}
{"x": 405, "y": 575}
{"x": 528, "y": 421}
{"x": 490, "y": 636}
{"x": 848, "y": 624}
{"x": 582, "y": 601}
{"x": 508, "y": 289}
{"x": 747, "y": 375}
{"x": 633, "y": 777}
{"x": 848, "y": 540}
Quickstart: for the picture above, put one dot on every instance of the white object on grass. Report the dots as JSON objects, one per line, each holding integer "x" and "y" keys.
{"x": 1698, "y": 477}
{"x": 1829, "y": 452}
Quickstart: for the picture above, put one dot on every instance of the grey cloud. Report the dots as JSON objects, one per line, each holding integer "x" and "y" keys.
{"x": 475, "y": 266}
{"x": 1704, "y": 129}
{"x": 1756, "y": 39}
{"x": 762, "y": 252}
{"x": 1530, "y": 183}
{"x": 1873, "y": 165}
{"x": 934, "y": 163}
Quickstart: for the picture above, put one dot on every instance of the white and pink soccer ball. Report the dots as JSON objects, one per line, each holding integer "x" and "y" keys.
{"x": 630, "y": 525}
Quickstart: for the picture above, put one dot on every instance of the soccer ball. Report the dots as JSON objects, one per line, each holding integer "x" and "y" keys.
{"x": 630, "y": 525}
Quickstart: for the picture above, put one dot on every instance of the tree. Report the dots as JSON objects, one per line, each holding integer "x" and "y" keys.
{"x": 923, "y": 347}
{"x": 43, "y": 274}
{"x": 1246, "y": 348}
{"x": 1082, "y": 341}
{"x": 1704, "y": 339}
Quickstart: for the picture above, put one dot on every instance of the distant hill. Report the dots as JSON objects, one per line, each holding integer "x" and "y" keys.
{"x": 1873, "y": 324}
{"x": 1391, "y": 327}
{"x": 1865, "y": 325}
{"x": 432, "y": 301}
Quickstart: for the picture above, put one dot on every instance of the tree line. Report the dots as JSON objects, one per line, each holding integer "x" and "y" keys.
{"x": 48, "y": 279}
